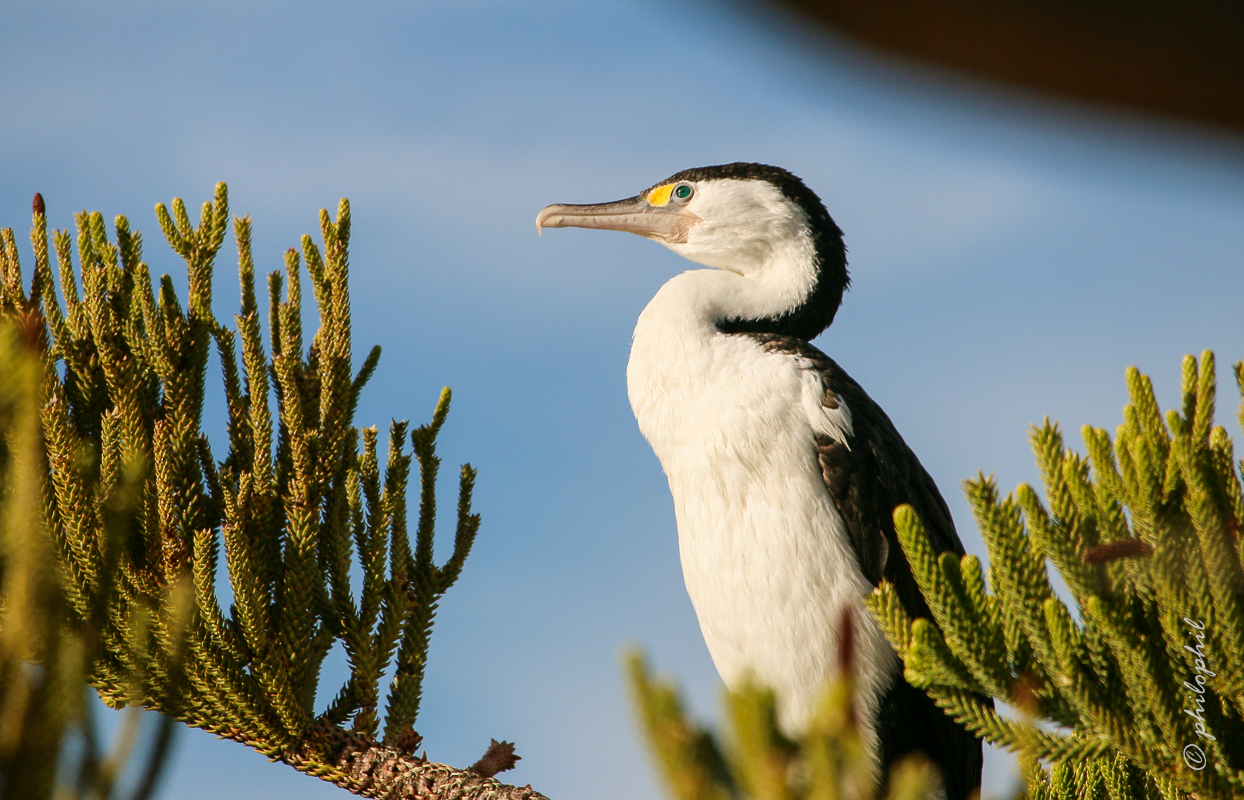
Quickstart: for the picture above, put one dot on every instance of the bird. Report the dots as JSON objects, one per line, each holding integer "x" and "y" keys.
{"x": 783, "y": 471}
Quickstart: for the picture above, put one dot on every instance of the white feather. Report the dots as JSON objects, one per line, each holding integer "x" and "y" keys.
{"x": 764, "y": 552}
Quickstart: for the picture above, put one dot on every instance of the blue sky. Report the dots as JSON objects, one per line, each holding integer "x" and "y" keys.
{"x": 1010, "y": 259}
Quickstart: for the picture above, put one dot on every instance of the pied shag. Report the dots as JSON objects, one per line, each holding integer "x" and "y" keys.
{"x": 784, "y": 473}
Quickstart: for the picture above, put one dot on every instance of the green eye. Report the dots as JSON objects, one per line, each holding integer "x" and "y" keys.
{"x": 682, "y": 192}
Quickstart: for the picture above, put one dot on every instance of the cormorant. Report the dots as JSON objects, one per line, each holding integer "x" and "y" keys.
{"x": 784, "y": 472}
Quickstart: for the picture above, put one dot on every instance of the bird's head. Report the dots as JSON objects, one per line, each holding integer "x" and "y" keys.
{"x": 757, "y": 221}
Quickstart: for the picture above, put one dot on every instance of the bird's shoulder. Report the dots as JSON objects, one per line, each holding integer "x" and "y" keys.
{"x": 869, "y": 470}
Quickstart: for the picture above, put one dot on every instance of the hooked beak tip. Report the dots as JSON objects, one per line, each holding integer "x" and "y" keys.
{"x": 543, "y": 217}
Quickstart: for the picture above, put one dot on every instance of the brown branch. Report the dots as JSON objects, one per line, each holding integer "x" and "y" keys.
{"x": 370, "y": 769}
{"x": 1113, "y": 551}
{"x": 498, "y": 758}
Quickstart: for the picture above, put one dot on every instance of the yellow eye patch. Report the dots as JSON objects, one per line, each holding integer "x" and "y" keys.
{"x": 660, "y": 195}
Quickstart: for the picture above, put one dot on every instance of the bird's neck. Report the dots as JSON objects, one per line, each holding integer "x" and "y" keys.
{"x": 783, "y": 289}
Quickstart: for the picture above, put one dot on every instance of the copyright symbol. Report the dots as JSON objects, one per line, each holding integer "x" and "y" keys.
{"x": 1194, "y": 757}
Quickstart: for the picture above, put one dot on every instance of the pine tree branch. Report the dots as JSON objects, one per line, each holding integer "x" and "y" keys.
{"x": 136, "y": 509}
{"x": 369, "y": 769}
{"x": 1149, "y": 674}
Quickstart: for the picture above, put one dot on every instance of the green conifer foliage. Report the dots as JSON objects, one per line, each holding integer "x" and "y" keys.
{"x": 829, "y": 763}
{"x": 1105, "y": 778}
{"x": 1144, "y": 681}
{"x": 139, "y": 514}
{"x": 43, "y": 707}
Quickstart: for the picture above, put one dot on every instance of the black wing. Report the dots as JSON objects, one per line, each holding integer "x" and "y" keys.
{"x": 867, "y": 478}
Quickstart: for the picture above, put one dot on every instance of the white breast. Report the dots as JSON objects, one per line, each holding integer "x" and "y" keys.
{"x": 764, "y": 553}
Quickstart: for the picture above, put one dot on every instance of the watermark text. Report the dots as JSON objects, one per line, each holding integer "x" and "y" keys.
{"x": 1194, "y": 756}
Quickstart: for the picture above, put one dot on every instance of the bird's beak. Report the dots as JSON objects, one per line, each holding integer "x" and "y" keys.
{"x": 635, "y": 215}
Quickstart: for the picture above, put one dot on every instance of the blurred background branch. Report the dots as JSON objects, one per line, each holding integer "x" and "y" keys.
{"x": 51, "y": 745}
{"x": 1156, "y": 57}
